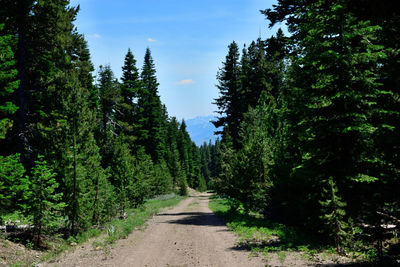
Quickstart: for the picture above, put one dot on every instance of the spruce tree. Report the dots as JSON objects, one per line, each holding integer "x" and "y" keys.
{"x": 334, "y": 77}
{"x": 229, "y": 102}
{"x": 13, "y": 184}
{"x": 386, "y": 137}
{"x": 257, "y": 74}
{"x": 127, "y": 106}
{"x": 109, "y": 97}
{"x": 151, "y": 115}
{"x": 183, "y": 143}
{"x": 122, "y": 164}
{"x": 334, "y": 214}
{"x": 18, "y": 18}
{"x": 13, "y": 181}
{"x": 255, "y": 160}
{"x": 205, "y": 158}
{"x": 80, "y": 56}
{"x": 172, "y": 156}
{"x": 8, "y": 81}
{"x": 198, "y": 181}
{"x": 44, "y": 202}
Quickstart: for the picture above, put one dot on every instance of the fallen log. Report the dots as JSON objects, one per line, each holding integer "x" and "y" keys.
{"x": 15, "y": 228}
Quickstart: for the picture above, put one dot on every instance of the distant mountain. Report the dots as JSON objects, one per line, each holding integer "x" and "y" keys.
{"x": 201, "y": 129}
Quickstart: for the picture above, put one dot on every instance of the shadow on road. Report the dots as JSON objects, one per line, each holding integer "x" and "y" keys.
{"x": 199, "y": 196}
{"x": 195, "y": 218}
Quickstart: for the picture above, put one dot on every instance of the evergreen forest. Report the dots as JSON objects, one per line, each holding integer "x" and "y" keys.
{"x": 77, "y": 148}
{"x": 308, "y": 123}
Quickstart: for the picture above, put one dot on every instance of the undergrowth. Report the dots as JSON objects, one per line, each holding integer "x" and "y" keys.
{"x": 261, "y": 236}
{"x": 112, "y": 231}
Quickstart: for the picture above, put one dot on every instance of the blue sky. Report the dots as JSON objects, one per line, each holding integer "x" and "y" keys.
{"x": 188, "y": 40}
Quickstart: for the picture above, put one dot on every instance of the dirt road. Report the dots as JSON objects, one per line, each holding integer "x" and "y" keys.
{"x": 186, "y": 235}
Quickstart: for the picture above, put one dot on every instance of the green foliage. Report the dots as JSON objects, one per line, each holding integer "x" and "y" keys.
{"x": 182, "y": 187}
{"x": 8, "y": 81}
{"x": 334, "y": 215}
{"x": 225, "y": 182}
{"x": 151, "y": 117}
{"x": 13, "y": 184}
{"x": 202, "y": 186}
{"x": 230, "y": 102}
{"x": 109, "y": 94}
{"x": 119, "y": 229}
{"x": 320, "y": 103}
{"x": 108, "y": 146}
{"x": 161, "y": 181}
{"x": 261, "y": 235}
{"x": 143, "y": 173}
{"x": 130, "y": 189}
{"x": 127, "y": 107}
{"x": 44, "y": 202}
{"x": 121, "y": 172}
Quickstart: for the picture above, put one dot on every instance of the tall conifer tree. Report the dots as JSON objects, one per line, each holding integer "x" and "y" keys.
{"x": 8, "y": 82}
{"x": 127, "y": 106}
{"x": 334, "y": 77}
{"x": 230, "y": 102}
{"x": 151, "y": 115}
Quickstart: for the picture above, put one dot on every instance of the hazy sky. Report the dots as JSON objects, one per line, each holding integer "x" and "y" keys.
{"x": 188, "y": 40}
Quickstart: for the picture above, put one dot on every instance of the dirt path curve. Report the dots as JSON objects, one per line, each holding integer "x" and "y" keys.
{"x": 186, "y": 235}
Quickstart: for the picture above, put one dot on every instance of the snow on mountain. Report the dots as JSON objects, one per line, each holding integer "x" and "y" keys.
{"x": 201, "y": 129}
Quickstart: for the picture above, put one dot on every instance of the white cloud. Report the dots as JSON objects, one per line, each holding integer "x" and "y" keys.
{"x": 94, "y": 36}
{"x": 184, "y": 82}
{"x": 151, "y": 40}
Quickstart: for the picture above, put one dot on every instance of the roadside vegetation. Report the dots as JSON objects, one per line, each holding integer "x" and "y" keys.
{"x": 283, "y": 245}
{"x": 102, "y": 237}
{"x": 309, "y": 123}
{"x": 79, "y": 148}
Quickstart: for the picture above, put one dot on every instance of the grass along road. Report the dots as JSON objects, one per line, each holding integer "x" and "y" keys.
{"x": 189, "y": 234}
{"x": 278, "y": 244}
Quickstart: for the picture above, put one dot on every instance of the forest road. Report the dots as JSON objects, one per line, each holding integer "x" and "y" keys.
{"x": 189, "y": 234}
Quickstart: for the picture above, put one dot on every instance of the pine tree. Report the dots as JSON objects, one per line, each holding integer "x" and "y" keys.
{"x": 80, "y": 57}
{"x": 53, "y": 64}
{"x": 225, "y": 181}
{"x": 229, "y": 103}
{"x": 127, "y": 106}
{"x": 151, "y": 115}
{"x": 161, "y": 182}
{"x": 386, "y": 137}
{"x": 78, "y": 157}
{"x": 214, "y": 159}
{"x": 334, "y": 214}
{"x": 144, "y": 173}
{"x": 18, "y": 19}
{"x": 258, "y": 73}
{"x": 8, "y": 81}
{"x": 334, "y": 80}
{"x": 13, "y": 184}
{"x": 109, "y": 97}
{"x": 68, "y": 128}
{"x": 196, "y": 178}
{"x": 56, "y": 102}
{"x": 205, "y": 158}
{"x": 255, "y": 160}
{"x": 122, "y": 164}
{"x": 44, "y": 202}
{"x": 172, "y": 156}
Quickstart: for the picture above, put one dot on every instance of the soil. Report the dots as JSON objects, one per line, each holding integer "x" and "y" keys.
{"x": 17, "y": 254}
{"x": 186, "y": 235}
{"x": 189, "y": 234}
